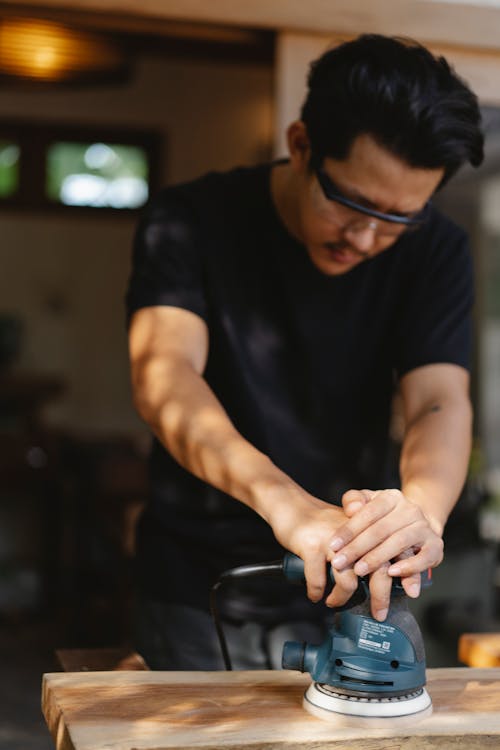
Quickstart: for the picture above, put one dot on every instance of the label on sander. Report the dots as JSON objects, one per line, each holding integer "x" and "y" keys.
{"x": 375, "y": 636}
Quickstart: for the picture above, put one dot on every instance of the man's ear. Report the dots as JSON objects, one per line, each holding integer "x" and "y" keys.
{"x": 298, "y": 146}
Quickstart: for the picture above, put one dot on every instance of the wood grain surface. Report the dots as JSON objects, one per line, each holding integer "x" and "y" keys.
{"x": 253, "y": 711}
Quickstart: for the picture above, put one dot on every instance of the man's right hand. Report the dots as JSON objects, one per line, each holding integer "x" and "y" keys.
{"x": 306, "y": 525}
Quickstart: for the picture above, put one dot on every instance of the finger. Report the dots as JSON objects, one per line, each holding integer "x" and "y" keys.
{"x": 315, "y": 575}
{"x": 362, "y": 547}
{"x": 388, "y": 536}
{"x": 380, "y": 505}
{"x": 412, "y": 583}
{"x": 430, "y": 554}
{"x": 354, "y": 500}
{"x": 380, "y": 592}
{"x": 346, "y": 583}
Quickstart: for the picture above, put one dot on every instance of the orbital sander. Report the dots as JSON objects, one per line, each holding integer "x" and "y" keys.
{"x": 365, "y": 671}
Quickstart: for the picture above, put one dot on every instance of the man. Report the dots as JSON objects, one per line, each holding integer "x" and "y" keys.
{"x": 271, "y": 310}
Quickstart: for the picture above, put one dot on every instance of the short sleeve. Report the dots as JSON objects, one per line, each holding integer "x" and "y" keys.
{"x": 166, "y": 263}
{"x": 435, "y": 323}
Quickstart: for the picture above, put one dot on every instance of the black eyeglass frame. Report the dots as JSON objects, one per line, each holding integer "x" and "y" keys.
{"x": 332, "y": 193}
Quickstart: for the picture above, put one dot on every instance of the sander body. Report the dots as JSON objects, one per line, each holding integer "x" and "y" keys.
{"x": 364, "y": 670}
{"x": 364, "y": 667}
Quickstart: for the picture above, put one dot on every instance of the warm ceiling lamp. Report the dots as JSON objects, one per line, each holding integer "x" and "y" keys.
{"x": 46, "y": 51}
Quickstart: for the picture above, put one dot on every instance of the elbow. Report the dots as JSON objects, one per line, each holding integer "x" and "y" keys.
{"x": 140, "y": 401}
{"x": 142, "y": 383}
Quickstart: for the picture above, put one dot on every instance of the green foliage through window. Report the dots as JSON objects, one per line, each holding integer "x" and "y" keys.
{"x": 9, "y": 168}
{"x": 76, "y": 169}
{"x": 97, "y": 174}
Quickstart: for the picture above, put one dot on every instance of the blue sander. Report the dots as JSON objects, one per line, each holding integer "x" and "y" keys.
{"x": 364, "y": 669}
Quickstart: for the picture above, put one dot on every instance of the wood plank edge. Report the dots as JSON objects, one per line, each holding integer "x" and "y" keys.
{"x": 406, "y": 742}
{"x": 53, "y": 714}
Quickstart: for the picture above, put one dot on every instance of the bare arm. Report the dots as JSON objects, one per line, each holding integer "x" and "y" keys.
{"x": 387, "y": 524}
{"x": 437, "y": 443}
{"x": 168, "y": 353}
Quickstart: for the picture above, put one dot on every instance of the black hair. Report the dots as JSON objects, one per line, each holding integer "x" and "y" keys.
{"x": 395, "y": 90}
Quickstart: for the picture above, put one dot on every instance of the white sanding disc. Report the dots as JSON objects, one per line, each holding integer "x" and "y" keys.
{"x": 325, "y": 703}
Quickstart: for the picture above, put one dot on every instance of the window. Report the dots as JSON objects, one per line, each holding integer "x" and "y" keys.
{"x": 9, "y": 168}
{"x": 97, "y": 174}
{"x": 66, "y": 168}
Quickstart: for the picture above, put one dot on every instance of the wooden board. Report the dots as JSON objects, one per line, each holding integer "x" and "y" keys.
{"x": 252, "y": 711}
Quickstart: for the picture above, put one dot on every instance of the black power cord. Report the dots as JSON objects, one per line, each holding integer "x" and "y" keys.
{"x": 243, "y": 571}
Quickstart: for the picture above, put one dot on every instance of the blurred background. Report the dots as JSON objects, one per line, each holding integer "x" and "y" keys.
{"x": 101, "y": 103}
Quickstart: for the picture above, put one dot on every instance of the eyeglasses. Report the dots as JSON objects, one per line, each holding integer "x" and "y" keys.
{"x": 389, "y": 225}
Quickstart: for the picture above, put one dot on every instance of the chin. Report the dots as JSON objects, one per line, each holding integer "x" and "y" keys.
{"x": 329, "y": 265}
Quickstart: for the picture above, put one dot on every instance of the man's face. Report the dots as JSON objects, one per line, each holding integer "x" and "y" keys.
{"x": 339, "y": 238}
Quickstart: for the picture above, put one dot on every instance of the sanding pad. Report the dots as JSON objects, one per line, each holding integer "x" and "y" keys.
{"x": 326, "y": 703}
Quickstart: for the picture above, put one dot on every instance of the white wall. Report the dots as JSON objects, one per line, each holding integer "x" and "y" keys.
{"x": 295, "y": 50}
{"x": 213, "y": 115}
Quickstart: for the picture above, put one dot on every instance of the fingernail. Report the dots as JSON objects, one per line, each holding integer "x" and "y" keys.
{"x": 414, "y": 590}
{"x": 381, "y": 614}
{"x": 361, "y": 568}
{"x": 336, "y": 544}
{"x": 394, "y": 570}
{"x": 339, "y": 561}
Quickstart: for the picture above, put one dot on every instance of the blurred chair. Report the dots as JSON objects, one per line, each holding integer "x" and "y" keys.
{"x": 100, "y": 660}
{"x": 107, "y": 486}
{"x": 30, "y": 495}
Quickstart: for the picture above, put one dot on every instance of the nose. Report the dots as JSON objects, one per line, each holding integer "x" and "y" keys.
{"x": 361, "y": 238}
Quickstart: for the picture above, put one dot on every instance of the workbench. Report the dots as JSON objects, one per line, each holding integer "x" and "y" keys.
{"x": 259, "y": 710}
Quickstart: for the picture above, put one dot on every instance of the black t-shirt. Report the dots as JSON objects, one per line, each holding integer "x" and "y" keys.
{"x": 303, "y": 363}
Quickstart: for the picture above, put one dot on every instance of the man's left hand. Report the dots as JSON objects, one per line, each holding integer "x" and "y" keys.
{"x": 386, "y": 526}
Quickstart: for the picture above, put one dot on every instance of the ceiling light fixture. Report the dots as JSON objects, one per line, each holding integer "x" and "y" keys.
{"x": 41, "y": 50}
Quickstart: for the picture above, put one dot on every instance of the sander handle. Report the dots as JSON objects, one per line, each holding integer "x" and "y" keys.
{"x": 293, "y": 569}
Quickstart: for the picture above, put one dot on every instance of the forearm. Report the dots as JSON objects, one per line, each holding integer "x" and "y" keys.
{"x": 188, "y": 419}
{"x": 168, "y": 354}
{"x": 434, "y": 458}
{"x": 191, "y": 423}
